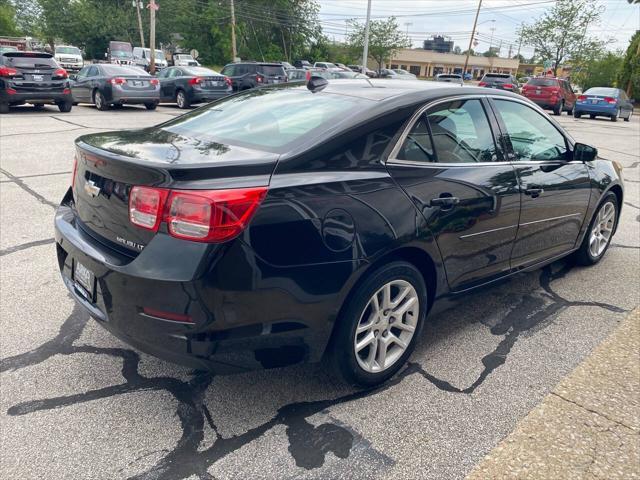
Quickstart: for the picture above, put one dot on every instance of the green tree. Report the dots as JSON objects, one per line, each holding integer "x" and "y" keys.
{"x": 385, "y": 39}
{"x": 561, "y": 33}
{"x": 490, "y": 53}
{"x": 600, "y": 71}
{"x": 629, "y": 75}
{"x": 8, "y": 24}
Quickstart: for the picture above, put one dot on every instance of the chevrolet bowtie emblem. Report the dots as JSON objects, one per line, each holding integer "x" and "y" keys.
{"x": 91, "y": 188}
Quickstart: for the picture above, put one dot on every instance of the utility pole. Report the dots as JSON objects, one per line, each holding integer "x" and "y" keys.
{"x": 493, "y": 29}
{"x": 408, "y": 24}
{"x": 365, "y": 53}
{"x": 473, "y": 34}
{"x": 138, "y": 3}
{"x": 152, "y": 36}
{"x": 234, "y": 51}
{"x": 519, "y": 45}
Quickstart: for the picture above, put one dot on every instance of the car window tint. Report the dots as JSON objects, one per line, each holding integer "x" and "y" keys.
{"x": 461, "y": 132}
{"x": 543, "y": 82}
{"x": 176, "y": 72}
{"x": 229, "y": 70}
{"x": 272, "y": 71}
{"x": 266, "y": 119}
{"x": 417, "y": 147}
{"x": 608, "y": 92}
{"x": 532, "y": 136}
{"x": 20, "y": 60}
{"x": 83, "y": 72}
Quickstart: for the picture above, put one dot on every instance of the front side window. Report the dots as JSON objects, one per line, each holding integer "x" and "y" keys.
{"x": 417, "y": 147}
{"x": 532, "y": 136}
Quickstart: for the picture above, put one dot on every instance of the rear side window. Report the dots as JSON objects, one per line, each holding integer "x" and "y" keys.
{"x": 543, "y": 82}
{"x": 29, "y": 61}
{"x": 229, "y": 70}
{"x": 268, "y": 120}
{"x": 452, "y": 132}
{"x": 272, "y": 71}
{"x": 532, "y": 136}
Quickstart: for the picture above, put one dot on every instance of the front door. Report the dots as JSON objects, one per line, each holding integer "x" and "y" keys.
{"x": 555, "y": 189}
{"x": 450, "y": 167}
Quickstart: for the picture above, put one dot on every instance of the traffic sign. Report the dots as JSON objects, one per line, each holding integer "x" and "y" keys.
{"x": 194, "y": 53}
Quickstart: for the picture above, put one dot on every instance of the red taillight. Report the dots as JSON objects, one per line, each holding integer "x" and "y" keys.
{"x": 211, "y": 215}
{"x": 307, "y": 75}
{"x": 198, "y": 215}
{"x": 259, "y": 78}
{"x": 582, "y": 98}
{"x": 228, "y": 81}
{"x": 154, "y": 81}
{"x": 507, "y": 85}
{"x": 146, "y": 205}
{"x": 60, "y": 73}
{"x": 482, "y": 84}
{"x": 195, "y": 81}
{"x": 8, "y": 72}
{"x": 11, "y": 91}
{"x": 171, "y": 316}
{"x": 610, "y": 100}
{"x": 66, "y": 91}
{"x": 117, "y": 81}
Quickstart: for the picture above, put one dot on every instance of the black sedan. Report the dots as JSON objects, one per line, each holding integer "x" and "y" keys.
{"x": 35, "y": 78}
{"x": 188, "y": 85}
{"x": 106, "y": 84}
{"x": 297, "y": 222}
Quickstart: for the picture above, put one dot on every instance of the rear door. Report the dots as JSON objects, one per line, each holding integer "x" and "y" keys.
{"x": 165, "y": 91}
{"x": 555, "y": 190}
{"x": 452, "y": 168}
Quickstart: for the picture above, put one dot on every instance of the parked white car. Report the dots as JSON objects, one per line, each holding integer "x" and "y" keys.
{"x": 184, "y": 60}
{"x": 142, "y": 58}
{"x": 69, "y": 57}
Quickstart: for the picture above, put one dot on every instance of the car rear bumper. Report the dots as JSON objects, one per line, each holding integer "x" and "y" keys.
{"x": 246, "y": 314}
{"x": 207, "y": 96}
{"x": 592, "y": 109}
{"x": 127, "y": 96}
{"x": 35, "y": 97}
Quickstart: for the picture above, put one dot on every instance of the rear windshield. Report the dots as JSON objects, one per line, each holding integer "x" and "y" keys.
{"x": 543, "y": 82}
{"x": 26, "y": 60}
{"x": 609, "y": 92}
{"x": 68, "y": 50}
{"x": 498, "y": 77}
{"x": 457, "y": 77}
{"x": 200, "y": 71}
{"x": 266, "y": 119}
{"x": 120, "y": 70}
{"x": 272, "y": 70}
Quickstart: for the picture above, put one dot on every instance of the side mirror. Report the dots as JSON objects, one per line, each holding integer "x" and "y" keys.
{"x": 584, "y": 153}
{"x": 73, "y": 77}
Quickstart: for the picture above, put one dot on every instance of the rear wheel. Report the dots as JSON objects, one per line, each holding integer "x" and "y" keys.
{"x": 181, "y": 99}
{"x": 598, "y": 237}
{"x": 151, "y": 106}
{"x": 4, "y": 107}
{"x": 614, "y": 117}
{"x": 557, "y": 110}
{"x": 377, "y": 331}
{"x": 100, "y": 101}
{"x": 576, "y": 114}
{"x": 65, "y": 107}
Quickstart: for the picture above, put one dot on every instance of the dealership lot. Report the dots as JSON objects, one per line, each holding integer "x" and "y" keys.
{"x": 77, "y": 403}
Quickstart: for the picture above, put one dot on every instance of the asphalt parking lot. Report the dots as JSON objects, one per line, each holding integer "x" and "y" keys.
{"x": 78, "y": 403}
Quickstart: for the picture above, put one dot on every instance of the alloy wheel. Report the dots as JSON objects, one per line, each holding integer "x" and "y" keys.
{"x": 386, "y": 326}
{"x": 602, "y": 229}
{"x": 180, "y": 100}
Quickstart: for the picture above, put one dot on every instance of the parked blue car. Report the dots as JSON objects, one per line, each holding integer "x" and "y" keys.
{"x": 604, "y": 102}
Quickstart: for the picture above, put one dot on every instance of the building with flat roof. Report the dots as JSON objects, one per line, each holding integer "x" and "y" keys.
{"x": 426, "y": 63}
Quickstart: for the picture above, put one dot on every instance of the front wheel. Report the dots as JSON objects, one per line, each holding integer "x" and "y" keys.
{"x": 557, "y": 110}
{"x": 628, "y": 117}
{"x": 100, "y": 101}
{"x": 614, "y": 117}
{"x": 377, "y": 331}
{"x": 598, "y": 237}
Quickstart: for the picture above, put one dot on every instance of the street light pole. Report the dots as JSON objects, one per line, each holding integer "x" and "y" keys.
{"x": 137, "y": 3}
{"x": 234, "y": 52}
{"x": 152, "y": 37}
{"x": 473, "y": 34}
{"x": 365, "y": 53}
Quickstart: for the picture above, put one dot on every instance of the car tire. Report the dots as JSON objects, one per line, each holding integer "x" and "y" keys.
{"x": 38, "y": 106}
{"x": 576, "y": 114}
{"x": 557, "y": 110}
{"x": 65, "y": 107}
{"x": 4, "y": 107}
{"x": 181, "y": 100}
{"x": 151, "y": 106}
{"x": 628, "y": 117}
{"x": 99, "y": 101}
{"x": 589, "y": 253}
{"x": 614, "y": 118}
{"x": 570, "y": 111}
{"x": 359, "y": 324}
{"x": 591, "y": 116}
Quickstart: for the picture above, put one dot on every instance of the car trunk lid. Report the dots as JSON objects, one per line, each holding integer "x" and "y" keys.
{"x": 109, "y": 165}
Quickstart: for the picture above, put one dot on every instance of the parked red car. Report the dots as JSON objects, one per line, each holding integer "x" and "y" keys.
{"x": 551, "y": 93}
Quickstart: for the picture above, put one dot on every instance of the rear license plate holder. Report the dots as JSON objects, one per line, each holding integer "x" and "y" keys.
{"x": 85, "y": 279}
{"x": 37, "y": 78}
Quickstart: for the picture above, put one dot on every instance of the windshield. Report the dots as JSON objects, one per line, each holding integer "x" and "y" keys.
{"x": 266, "y": 119}
{"x": 68, "y": 50}
{"x": 543, "y": 82}
{"x": 120, "y": 53}
{"x": 112, "y": 70}
{"x": 608, "y": 92}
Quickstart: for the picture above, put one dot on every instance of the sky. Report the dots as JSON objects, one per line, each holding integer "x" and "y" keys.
{"x": 497, "y": 23}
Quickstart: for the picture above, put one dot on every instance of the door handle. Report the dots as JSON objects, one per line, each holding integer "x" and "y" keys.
{"x": 444, "y": 202}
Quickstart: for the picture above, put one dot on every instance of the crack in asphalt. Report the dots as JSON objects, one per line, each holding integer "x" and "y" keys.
{"x": 28, "y": 189}
{"x": 308, "y": 444}
{"x": 25, "y": 246}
